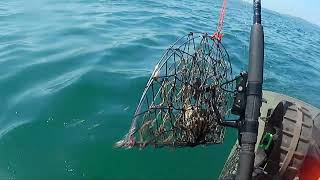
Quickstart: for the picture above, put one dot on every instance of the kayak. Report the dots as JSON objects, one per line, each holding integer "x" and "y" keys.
{"x": 287, "y": 140}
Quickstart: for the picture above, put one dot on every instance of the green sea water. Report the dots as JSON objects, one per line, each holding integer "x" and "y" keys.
{"x": 72, "y": 72}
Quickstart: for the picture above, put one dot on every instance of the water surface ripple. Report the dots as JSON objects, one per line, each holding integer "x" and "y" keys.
{"x": 71, "y": 73}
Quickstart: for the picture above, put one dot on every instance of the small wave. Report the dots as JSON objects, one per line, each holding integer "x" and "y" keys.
{"x": 50, "y": 87}
{"x": 13, "y": 125}
{"x": 74, "y": 123}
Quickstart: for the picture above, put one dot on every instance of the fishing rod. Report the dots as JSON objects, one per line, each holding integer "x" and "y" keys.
{"x": 249, "y": 126}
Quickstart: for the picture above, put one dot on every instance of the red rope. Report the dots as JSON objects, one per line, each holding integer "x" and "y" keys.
{"x": 218, "y": 35}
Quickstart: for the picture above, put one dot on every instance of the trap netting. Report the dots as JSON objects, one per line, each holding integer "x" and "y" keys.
{"x": 185, "y": 98}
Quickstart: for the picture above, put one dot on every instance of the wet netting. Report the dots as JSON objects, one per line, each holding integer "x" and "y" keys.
{"x": 186, "y": 97}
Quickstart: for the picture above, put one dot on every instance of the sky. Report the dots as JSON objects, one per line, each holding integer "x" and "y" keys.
{"x": 305, "y": 9}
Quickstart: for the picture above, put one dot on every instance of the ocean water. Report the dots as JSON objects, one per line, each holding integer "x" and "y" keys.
{"x": 72, "y": 72}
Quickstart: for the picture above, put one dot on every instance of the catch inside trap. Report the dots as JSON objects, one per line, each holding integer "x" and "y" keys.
{"x": 186, "y": 97}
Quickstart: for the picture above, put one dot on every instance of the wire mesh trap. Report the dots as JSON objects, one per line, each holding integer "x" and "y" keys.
{"x": 185, "y": 98}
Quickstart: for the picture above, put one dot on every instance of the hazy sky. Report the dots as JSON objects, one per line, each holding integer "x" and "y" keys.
{"x": 306, "y": 9}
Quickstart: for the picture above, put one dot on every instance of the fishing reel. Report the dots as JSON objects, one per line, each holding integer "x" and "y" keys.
{"x": 239, "y": 101}
{"x": 240, "y": 97}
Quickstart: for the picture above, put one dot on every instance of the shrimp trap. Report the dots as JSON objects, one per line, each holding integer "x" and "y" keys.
{"x": 186, "y": 97}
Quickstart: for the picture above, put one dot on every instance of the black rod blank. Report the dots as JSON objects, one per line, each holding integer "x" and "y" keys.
{"x": 250, "y": 124}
